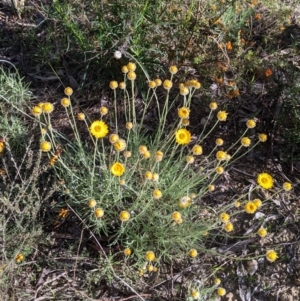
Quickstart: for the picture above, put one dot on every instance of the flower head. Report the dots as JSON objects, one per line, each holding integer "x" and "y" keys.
{"x": 127, "y": 252}
{"x": 251, "y": 123}
{"x": 47, "y": 107}
{"x": 287, "y": 186}
{"x": 221, "y": 155}
{"x": 124, "y": 216}
{"x": 113, "y": 84}
{"x": 120, "y": 145}
{"x": 262, "y": 137}
{"x": 146, "y": 155}
{"x": 271, "y": 255}
{"x": 152, "y": 84}
{"x": 99, "y": 213}
{"x": 80, "y": 116}
{"x": 221, "y": 291}
{"x": 213, "y": 105}
{"x": 224, "y": 217}
{"x": 92, "y": 203}
{"x": 222, "y": 115}
{"x": 185, "y": 121}
{"x": 245, "y": 141}
{"x": 176, "y": 215}
{"x": 125, "y": 69}
{"x": 36, "y": 111}
{"x": 68, "y": 91}
{"x": 184, "y": 202}
{"x": 219, "y": 170}
{"x": 190, "y": 159}
{"x": 265, "y": 180}
{"x": 173, "y": 69}
{"x": 99, "y": 129}
{"x": 143, "y": 149}
{"x": 257, "y": 203}
{"x": 262, "y": 232}
{"x": 131, "y": 75}
{"x": 183, "y": 136}
{"x": 19, "y": 258}
{"x": 250, "y": 207}
{"x": 197, "y": 150}
{"x": 150, "y": 256}
{"x": 148, "y": 175}
{"x": 183, "y": 112}
{"x": 113, "y": 138}
{"x": 193, "y": 253}
{"x": 167, "y": 84}
{"x": 129, "y": 125}
{"x": 184, "y": 91}
{"x": 155, "y": 177}
{"x": 217, "y": 281}
{"x": 103, "y": 110}
{"x": 219, "y": 141}
{"x": 228, "y": 227}
{"x": 65, "y": 102}
{"x": 211, "y": 187}
{"x": 127, "y": 154}
{"x": 158, "y": 82}
{"x": 117, "y": 169}
{"x": 122, "y": 85}
{"x": 158, "y": 156}
{"x": 45, "y": 146}
{"x": 2, "y": 146}
{"x": 157, "y": 194}
{"x": 194, "y": 294}
{"x": 131, "y": 66}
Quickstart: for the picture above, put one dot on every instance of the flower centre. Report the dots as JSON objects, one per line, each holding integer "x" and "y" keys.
{"x": 98, "y": 128}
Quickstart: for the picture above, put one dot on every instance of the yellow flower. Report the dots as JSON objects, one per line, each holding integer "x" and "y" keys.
{"x": 150, "y": 268}
{"x": 48, "y": 107}
{"x": 143, "y": 149}
{"x": 287, "y": 186}
{"x": 113, "y": 138}
{"x": 224, "y": 217}
{"x": 250, "y": 207}
{"x": 125, "y": 69}
{"x": 262, "y": 232}
{"x": 63, "y": 213}
{"x": 19, "y": 258}
{"x": 195, "y": 294}
{"x": 193, "y": 253}
{"x": 113, "y": 84}
{"x": 190, "y": 159}
{"x": 158, "y": 156}
{"x": 213, "y": 105}
{"x": 262, "y": 137}
{"x": 221, "y": 291}
{"x": 65, "y": 102}
{"x": 173, "y": 69}
{"x": 183, "y": 112}
{"x": 167, "y": 84}
{"x": 245, "y": 141}
{"x": 99, "y": 212}
{"x": 68, "y": 91}
{"x": 45, "y": 146}
{"x": 127, "y": 252}
{"x": 271, "y": 255}
{"x": 129, "y": 125}
{"x": 185, "y": 121}
{"x": 257, "y": 203}
{"x": 217, "y": 281}
{"x": 148, "y": 175}
{"x": 99, "y": 129}
{"x": 146, "y": 155}
{"x": 195, "y": 84}
{"x": 155, "y": 177}
{"x": 222, "y": 115}
{"x": 92, "y": 203}
{"x": 237, "y": 204}
{"x": 220, "y": 155}
{"x": 36, "y": 111}
{"x": 150, "y": 256}
{"x": 265, "y": 180}
{"x": 228, "y": 227}
{"x": 157, "y": 194}
{"x": 80, "y": 116}
{"x": 251, "y": 123}
{"x": 158, "y": 82}
{"x": 211, "y": 187}
{"x": 131, "y": 66}
{"x": 183, "y": 136}
{"x": 131, "y": 75}
{"x": 219, "y": 142}
{"x": 117, "y": 169}
{"x": 103, "y": 110}
{"x": 176, "y": 215}
{"x": 184, "y": 91}
{"x": 122, "y": 182}
{"x": 120, "y": 145}
{"x": 2, "y": 146}
{"x": 184, "y": 202}
{"x": 124, "y": 216}
{"x": 219, "y": 170}
{"x": 127, "y": 154}
{"x": 152, "y": 84}
{"x": 122, "y": 85}
{"x": 197, "y": 150}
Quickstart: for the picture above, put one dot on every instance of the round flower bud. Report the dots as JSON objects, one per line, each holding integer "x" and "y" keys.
{"x": 65, "y": 102}
{"x": 167, "y": 84}
{"x": 193, "y": 253}
{"x": 103, "y": 110}
{"x": 92, "y": 203}
{"x": 68, "y": 91}
{"x": 80, "y": 116}
{"x": 113, "y": 85}
{"x": 45, "y": 146}
{"x": 99, "y": 213}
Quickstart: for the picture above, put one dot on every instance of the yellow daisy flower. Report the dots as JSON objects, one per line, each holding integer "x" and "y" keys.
{"x": 251, "y": 123}
{"x": 125, "y": 69}
{"x": 124, "y": 216}
{"x": 92, "y": 203}
{"x": 197, "y": 150}
{"x": 250, "y": 207}
{"x": 157, "y": 194}
{"x": 120, "y": 145}
{"x": 99, "y": 129}
{"x": 219, "y": 170}
{"x": 183, "y": 136}
{"x": 176, "y": 215}
{"x": 103, "y": 110}
{"x": 158, "y": 82}
{"x": 257, "y": 203}
{"x": 158, "y": 156}
{"x": 80, "y": 116}
{"x": 262, "y": 232}
{"x": 265, "y": 180}
{"x": 36, "y": 111}
{"x": 194, "y": 294}
{"x": 287, "y": 186}
{"x": 127, "y": 252}
{"x": 167, "y": 84}
{"x": 262, "y": 137}
{"x": 193, "y": 253}
{"x": 45, "y": 146}
{"x": 184, "y": 202}
{"x": 152, "y": 84}
{"x": 222, "y": 115}
{"x": 219, "y": 141}
{"x": 221, "y": 291}
{"x": 47, "y": 107}
{"x": 245, "y": 141}
{"x": 113, "y": 138}
{"x": 113, "y": 84}
{"x": 220, "y": 155}
{"x": 122, "y": 85}
{"x": 228, "y": 227}
{"x": 184, "y": 91}
{"x": 131, "y": 75}
{"x": 68, "y": 91}
{"x": 271, "y": 255}
{"x": 65, "y": 102}
{"x": 131, "y": 66}
{"x": 99, "y": 213}
{"x": 129, "y": 125}
{"x": 184, "y": 112}
{"x": 150, "y": 256}
{"x": 19, "y": 258}
{"x": 117, "y": 169}
{"x": 224, "y": 217}
{"x": 213, "y": 105}
{"x": 173, "y": 69}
